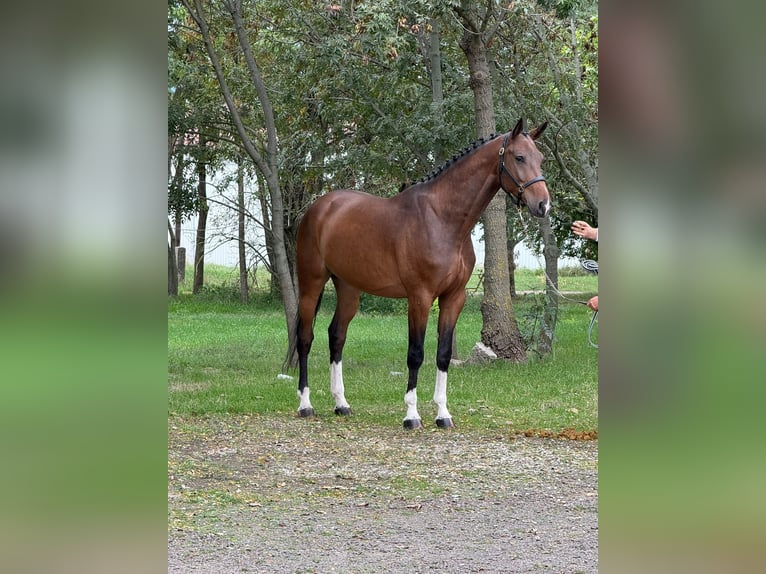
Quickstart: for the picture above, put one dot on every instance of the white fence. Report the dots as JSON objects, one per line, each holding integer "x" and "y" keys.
{"x": 221, "y": 252}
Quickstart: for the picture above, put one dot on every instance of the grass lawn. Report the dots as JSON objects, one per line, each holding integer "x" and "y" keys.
{"x": 226, "y": 357}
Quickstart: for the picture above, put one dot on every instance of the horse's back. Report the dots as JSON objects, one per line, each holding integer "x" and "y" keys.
{"x": 343, "y": 202}
{"x": 346, "y": 211}
{"x": 355, "y": 237}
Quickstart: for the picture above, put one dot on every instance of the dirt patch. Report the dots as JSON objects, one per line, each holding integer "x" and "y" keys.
{"x": 281, "y": 494}
{"x": 188, "y": 387}
{"x": 567, "y": 433}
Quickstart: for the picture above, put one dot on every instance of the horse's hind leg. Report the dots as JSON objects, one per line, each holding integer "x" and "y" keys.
{"x": 306, "y": 309}
{"x": 347, "y": 305}
{"x": 308, "y": 305}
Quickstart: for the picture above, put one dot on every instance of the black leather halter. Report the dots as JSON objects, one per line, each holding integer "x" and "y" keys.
{"x": 501, "y": 169}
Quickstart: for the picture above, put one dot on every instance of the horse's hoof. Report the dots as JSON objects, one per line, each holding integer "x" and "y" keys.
{"x": 305, "y": 413}
{"x": 444, "y": 423}
{"x": 412, "y": 424}
{"x": 343, "y": 411}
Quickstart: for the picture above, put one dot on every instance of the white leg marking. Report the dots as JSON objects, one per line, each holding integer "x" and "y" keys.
{"x": 304, "y": 397}
{"x": 411, "y": 400}
{"x": 440, "y": 395}
{"x": 336, "y": 385}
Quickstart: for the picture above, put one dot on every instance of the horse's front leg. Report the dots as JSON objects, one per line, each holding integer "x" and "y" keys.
{"x": 449, "y": 310}
{"x": 418, "y": 319}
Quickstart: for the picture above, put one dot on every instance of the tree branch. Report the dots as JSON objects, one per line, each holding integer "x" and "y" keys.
{"x": 422, "y": 158}
{"x": 199, "y": 17}
{"x": 487, "y": 17}
{"x": 235, "y": 9}
{"x": 463, "y": 13}
{"x": 570, "y": 177}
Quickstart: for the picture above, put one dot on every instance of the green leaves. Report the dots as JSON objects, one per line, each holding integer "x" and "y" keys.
{"x": 351, "y": 88}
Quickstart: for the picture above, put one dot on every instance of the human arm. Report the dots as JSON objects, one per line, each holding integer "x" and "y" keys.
{"x": 584, "y": 230}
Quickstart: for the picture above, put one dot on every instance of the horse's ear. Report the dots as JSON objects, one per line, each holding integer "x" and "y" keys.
{"x": 518, "y": 129}
{"x": 538, "y": 131}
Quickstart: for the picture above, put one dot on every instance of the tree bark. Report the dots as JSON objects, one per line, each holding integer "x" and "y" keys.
{"x": 499, "y": 329}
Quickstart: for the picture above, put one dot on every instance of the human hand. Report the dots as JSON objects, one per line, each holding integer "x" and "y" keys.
{"x": 593, "y": 303}
{"x": 584, "y": 230}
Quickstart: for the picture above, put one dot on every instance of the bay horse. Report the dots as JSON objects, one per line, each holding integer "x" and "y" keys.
{"x": 417, "y": 245}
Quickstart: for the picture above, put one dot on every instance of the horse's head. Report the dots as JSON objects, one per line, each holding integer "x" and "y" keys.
{"x": 520, "y": 171}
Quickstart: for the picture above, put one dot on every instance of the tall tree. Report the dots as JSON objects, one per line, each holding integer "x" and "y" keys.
{"x": 553, "y": 65}
{"x": 549, "y": 58}
{"x": 500, "y": 331}
{"x": 569, "y": 79}
{"x": 359, "y": 105}
{"x": 193, "y": 135}
{"x": 267, "y": 162}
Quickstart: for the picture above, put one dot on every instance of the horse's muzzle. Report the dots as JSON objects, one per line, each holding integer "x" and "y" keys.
{"x": 541, "y": 209}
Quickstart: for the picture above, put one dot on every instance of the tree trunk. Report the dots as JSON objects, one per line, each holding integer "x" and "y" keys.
{"x": 281, "y": 261}
{"x": 181, "y": 262}
{"x": 499, "y": 329}
{"x": 550, "y": 314}
{"x": 268, "y": 238}
{"x": 512, "y": 241}
{"x": 172, "y": 238}
{"x": 512, "y": 268}
{"x": 199, "y": 242}
{"x": 268, "y": 165}
{"x": 243, "y": 294}
{"x": 172, "y": 264}
{"x": 178, "y": 233}
{"x": 176, "y": 237}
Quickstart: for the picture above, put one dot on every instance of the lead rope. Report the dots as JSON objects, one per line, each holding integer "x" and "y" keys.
{"x": 549, "y": 281}
{"x": 590, "y": 330}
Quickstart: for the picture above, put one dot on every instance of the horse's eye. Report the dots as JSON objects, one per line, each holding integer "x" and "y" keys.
{"x": 520, "y": 158}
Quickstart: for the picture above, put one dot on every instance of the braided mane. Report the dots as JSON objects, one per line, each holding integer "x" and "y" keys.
{"x": 462, "y": 153}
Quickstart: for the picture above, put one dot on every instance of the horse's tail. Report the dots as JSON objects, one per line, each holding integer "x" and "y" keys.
{"x": 290, "y": 361}
{"x": 292, "y": 347}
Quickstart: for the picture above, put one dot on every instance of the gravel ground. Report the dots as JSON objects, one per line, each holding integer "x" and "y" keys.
{"x": 281, "y": 494}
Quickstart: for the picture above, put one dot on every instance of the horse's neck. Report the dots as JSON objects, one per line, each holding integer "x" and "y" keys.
{"x": 464, "y": 191}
